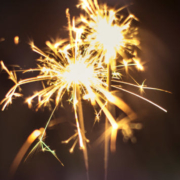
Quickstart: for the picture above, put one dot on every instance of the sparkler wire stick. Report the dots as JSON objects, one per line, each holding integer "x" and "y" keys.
{"x": 48, "y": 123}
{"x": 81, "y": 119}
{"x": 106, "y": 141}
{"x": 78, "y": 104}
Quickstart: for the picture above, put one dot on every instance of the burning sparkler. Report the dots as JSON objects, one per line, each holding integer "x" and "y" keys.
{"x": 83, "y": 68}
{"x": 108, "y": 31}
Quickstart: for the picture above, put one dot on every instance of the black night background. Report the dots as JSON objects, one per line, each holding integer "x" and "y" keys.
{"x": 155, "y": 156}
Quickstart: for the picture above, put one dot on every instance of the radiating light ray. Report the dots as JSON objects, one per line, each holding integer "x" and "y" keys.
{"x": 117, "y": 87}
{"x": 140, "y": 86}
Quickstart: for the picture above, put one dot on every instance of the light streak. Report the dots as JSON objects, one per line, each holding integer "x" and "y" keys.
{"x": 32, "y": 137}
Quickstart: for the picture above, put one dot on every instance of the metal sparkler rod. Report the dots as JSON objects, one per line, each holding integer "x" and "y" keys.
{"x": 106, "y": 149}
{"x": 81, "y": 120}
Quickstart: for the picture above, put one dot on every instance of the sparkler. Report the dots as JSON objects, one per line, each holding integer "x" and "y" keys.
{"x": 107, "y": 31}
{"x": 84, "y": 67}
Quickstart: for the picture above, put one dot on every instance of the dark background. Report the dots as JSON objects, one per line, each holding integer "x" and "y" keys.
{"x": 155, "y": 156}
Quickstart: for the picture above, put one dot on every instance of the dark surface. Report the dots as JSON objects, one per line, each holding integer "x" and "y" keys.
{"x": 155, "y": 156}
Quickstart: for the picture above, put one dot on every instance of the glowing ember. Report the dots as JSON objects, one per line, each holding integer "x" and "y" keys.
{"x": 16, "y": 40}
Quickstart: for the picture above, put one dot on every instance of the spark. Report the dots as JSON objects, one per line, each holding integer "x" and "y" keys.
{"x": 16, "y": 40}
{"x": 2, "y": 39}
